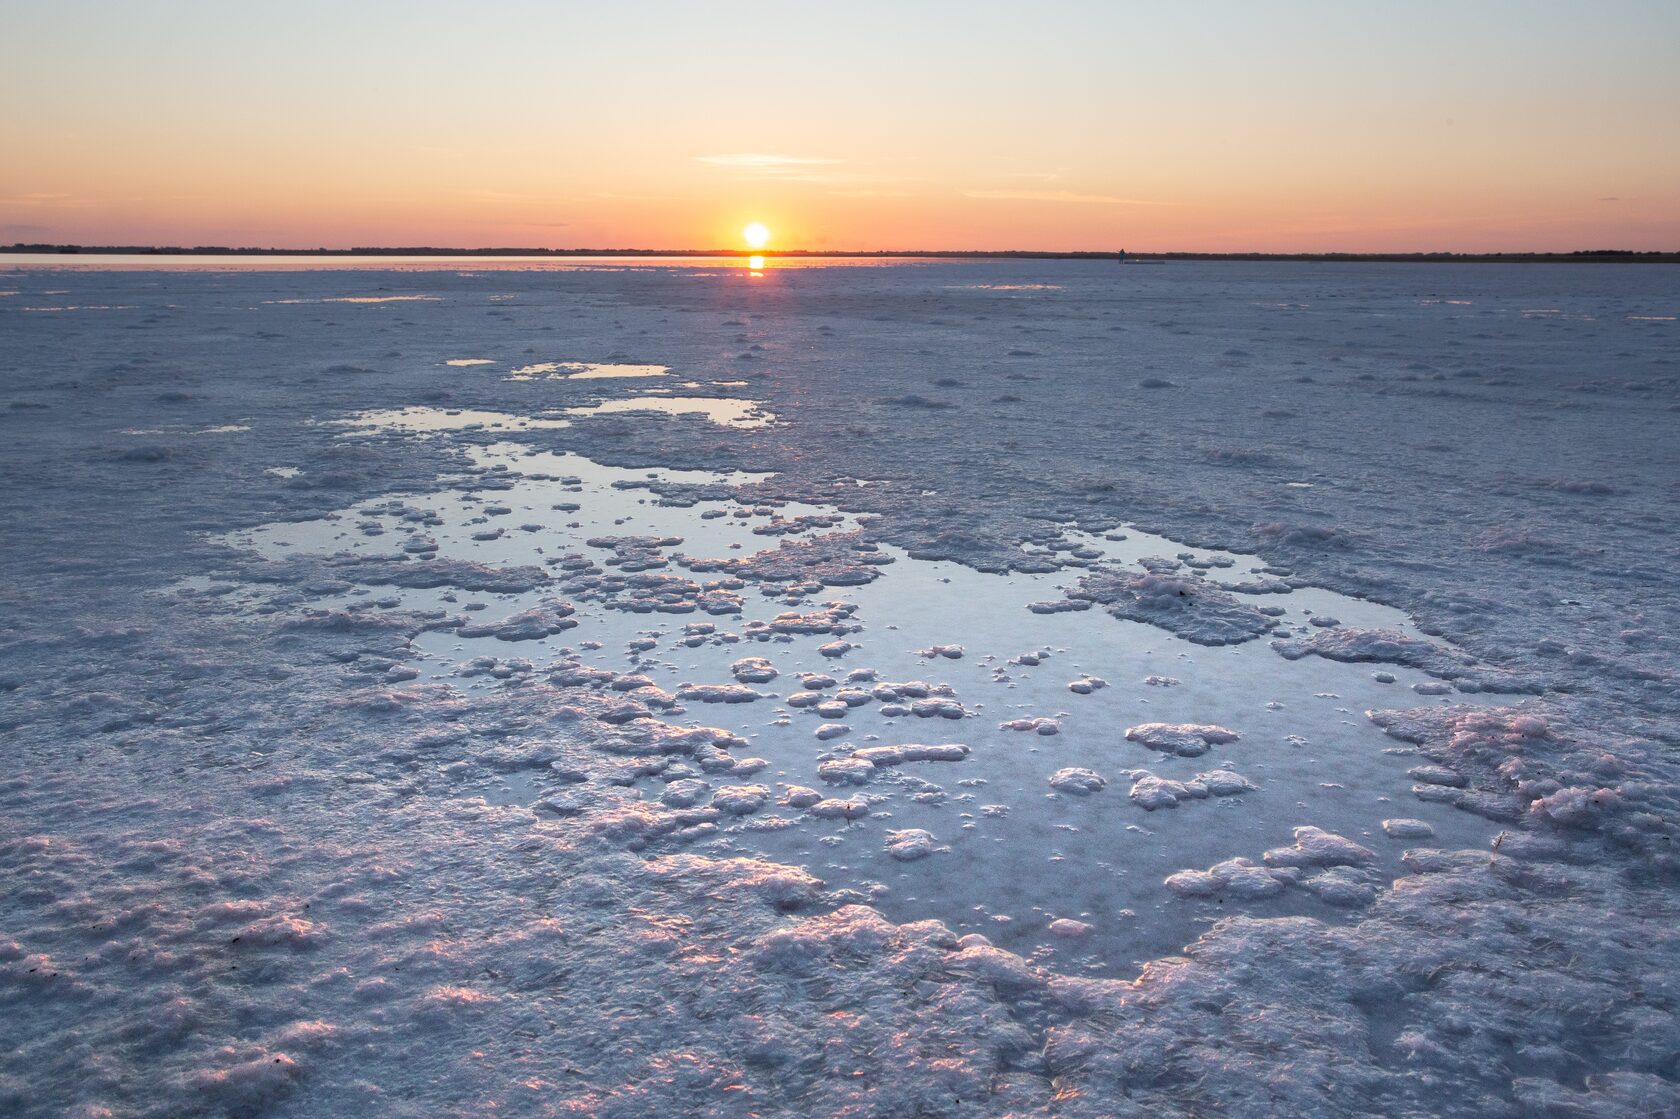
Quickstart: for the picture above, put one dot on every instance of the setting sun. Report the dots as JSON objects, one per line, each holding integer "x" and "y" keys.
{"x": 756, "y": 235}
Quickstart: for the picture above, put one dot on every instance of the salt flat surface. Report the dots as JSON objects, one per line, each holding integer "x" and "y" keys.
{"x": 1031, "y": 688}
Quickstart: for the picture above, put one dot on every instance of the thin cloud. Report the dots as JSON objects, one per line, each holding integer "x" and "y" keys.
{"x": 817, "y": 170}
{"x": 49, "y": 200}
{"x": 1060, "y": 196}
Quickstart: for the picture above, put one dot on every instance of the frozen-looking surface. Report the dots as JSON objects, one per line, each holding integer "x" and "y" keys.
{"x": 961, "y": 689}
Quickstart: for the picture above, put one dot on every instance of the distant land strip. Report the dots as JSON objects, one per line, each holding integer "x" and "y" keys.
{"x": 1582, "y": 256}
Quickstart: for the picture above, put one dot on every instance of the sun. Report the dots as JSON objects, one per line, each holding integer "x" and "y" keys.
{"x": 756, "y": 235}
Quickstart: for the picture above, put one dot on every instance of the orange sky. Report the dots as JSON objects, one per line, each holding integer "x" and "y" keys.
{"x": 1211, "y": 126}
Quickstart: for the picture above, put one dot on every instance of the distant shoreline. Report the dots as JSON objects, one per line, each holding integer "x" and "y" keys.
{"x": 1593, "y": 256}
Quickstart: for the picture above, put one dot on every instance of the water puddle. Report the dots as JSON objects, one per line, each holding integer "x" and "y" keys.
{"x": 1021, "y": 843}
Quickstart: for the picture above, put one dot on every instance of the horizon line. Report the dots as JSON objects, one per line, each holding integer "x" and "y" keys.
{"x": 1595, "y": 255}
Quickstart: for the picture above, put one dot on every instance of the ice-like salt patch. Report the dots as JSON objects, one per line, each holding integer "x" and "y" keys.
{"x": 1003, "y": 287}
{"x": 82, "y": 307}
{"x": 361, "y": 299}
{"x": 585, "y": 371}
{"x": 720, "y": 410}
{"x": 462, "y": 361}
{"x": 420, "y": 419}
{"x": 215, "y": 429}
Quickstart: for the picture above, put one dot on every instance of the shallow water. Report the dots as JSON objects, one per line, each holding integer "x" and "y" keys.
{"x": 1013, "y": 853}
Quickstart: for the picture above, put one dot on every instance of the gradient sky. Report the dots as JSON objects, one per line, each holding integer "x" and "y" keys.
{"x": 1147, "y": 126}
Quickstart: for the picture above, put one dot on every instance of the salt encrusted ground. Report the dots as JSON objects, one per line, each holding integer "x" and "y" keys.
{"x": 402, "y": 718}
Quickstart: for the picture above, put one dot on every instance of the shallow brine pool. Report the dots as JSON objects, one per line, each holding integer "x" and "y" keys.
{"x": 1000, "y": 752}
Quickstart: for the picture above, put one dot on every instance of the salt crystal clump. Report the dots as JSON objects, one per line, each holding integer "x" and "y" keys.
{"x": 718, "y": 693}
{"x": 1069, "y": 929}
{"x": 847, "y": 771}
{"x": 832, "y": 730}
{"x": 1151, "y": 792}
{"x": 887, "y": 690}
{"x": 800, "y": 796}
{"x": 834, "y": 808}
{"x": 249, "y": 1086}
{"x": 937, "y": 706}
{"x": 1342, "y": 886}
{"x": 1437, "y": 775}
{"x": 851, "y": 932}
{"x": 1078, "y": 782}
{"x": 1577, "y": 806}
{"x": 1237, "y": 877}
{"x": 740, "y": 800}
{"x": 1041, "y": 725}
{"x": 282, "y": 930}
{"x": 1402, "y": 828}
{"x": 753, "y": 670}
{"x": 1316, "y": 847}
{"x": 1224, "y": 783}
{"x": 910, "y": 844}
{"x": 1058, "y": 606}
{"x": 546, "y": 620}
{"x": 950, "y": 652}
{"x": 1085, "y": 685}
{"x": 912, "y": 752}
{"x": 684, "y": 793}
{"x": 1187, "y": 740}
{"x": 1193, "y": 608}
